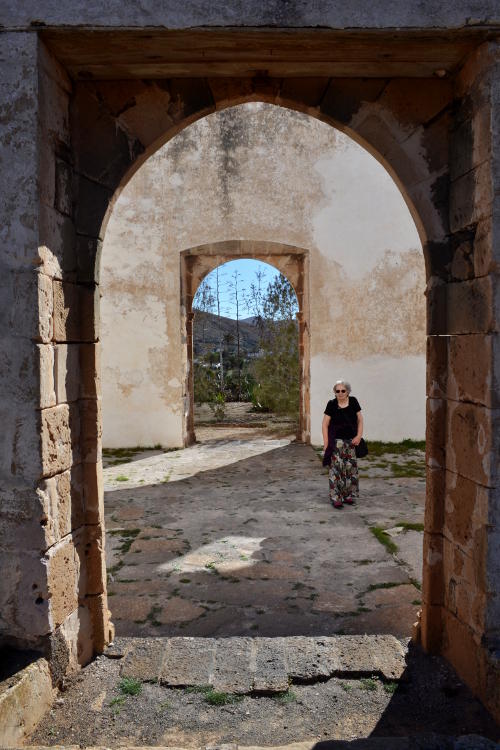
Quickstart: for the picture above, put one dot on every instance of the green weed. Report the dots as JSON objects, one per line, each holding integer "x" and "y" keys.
{"x": 130, "y": 686}
{"x": 368, "y": 683}
{"x": 390, "y": 687}
{"x": 118, "y": 701}
{"x": 287, "y": 697}
{"x": 407, "y": 526}
{"x": 384, "y": 539}
{"x": 388, "y": 585}
{"x": 213, "y": 697}
{"x": 379, "y": 447}
{"x": 408, "y": 469}
{"x": 121, "y": 478}
{"x": 346, "y": 686}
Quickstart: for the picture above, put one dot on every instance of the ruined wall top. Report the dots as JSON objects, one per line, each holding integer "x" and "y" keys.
{"x": 182, "y": 14}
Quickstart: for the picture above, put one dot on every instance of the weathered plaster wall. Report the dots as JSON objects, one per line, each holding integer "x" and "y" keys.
{"x": 259, "y": 172}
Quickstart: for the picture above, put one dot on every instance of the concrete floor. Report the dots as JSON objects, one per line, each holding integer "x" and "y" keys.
{"x": 235, "y": 536}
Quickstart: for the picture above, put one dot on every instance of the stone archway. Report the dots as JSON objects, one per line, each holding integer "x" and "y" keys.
{"x": 438, "y": 142}
{"x": 292, "y": 262}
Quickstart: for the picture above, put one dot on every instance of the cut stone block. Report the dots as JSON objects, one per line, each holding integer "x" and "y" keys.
{"x": 232, "y": 673}
{"x": 271, "y": 674}
{"x": 144, "y": 660}
{"x": 308, "y": 658}
{"x": 189, "y": 661}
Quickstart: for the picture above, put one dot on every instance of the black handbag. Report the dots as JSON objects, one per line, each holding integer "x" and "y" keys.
{"x": 361, "y": 449}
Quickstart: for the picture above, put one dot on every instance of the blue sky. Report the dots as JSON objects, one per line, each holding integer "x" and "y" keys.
{"x": 246, "y": 269}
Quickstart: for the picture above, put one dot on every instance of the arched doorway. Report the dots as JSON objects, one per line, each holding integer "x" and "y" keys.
{"x": 395, "y": 121}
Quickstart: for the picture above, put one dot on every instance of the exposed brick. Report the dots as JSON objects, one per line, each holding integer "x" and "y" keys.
{"x": 75, "y": 312}
{"x": 470, "y": 359}
{"x": 90, "y": 370}
{"x": 469, "y": 441}
{"x": 91, "y": 430}
{"x": 56, "y": 440}
{"x": 102, "y": 627}
{"x": 63, "y": 509}
{"x": 437, "y": 365}
{"x": 435, "y": 500}
{"x": 461, "y": 307}
{"x": 466, "y": 511}
{"x": 461, "y": 648}
{"x": 67, "y": 372}
{"x": 94, "y": 493}
{"x": 436, "y": 432}
{"x": 471, "y": 197}
{"x": 433, "y": 580}
{"x": 64, "y": 568}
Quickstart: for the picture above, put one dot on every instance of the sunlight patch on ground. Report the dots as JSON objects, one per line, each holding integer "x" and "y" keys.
{"x": 228, "y": 553}
{"x": 187, "y": 462}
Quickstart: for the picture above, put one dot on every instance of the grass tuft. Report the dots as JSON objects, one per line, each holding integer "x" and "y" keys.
{"x": 214, "y": 697}
{"x": 390, "y": 687}
{"x": 379, "y": 447}
{"x": 368, "y": 683}
{"x": 407, "y": 526}
{"x": 384, "y": 538}
{"x": 130, "y": 686}
{"x": 287, "y": 697}
{"x": 388, "y": 585}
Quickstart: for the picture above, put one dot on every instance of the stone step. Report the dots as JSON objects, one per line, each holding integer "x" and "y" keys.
{"x": 258, "y": 665}
{"x": 417, "y": 742}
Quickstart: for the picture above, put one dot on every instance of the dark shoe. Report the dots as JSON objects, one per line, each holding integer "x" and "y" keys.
{"x": 349, "y": 501}
{"x": 337, "y": 504}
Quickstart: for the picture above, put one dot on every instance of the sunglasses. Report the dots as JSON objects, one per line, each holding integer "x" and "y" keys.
{"x": 341, "y": 391}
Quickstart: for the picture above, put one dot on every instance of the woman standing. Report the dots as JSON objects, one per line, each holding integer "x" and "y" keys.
{"x": 342, "y": 431}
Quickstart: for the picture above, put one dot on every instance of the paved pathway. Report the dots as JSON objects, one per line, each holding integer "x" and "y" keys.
{"x": 237, "y": 538}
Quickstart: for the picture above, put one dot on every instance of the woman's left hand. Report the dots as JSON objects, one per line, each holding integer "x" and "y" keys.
{"x": 356, "y": 440}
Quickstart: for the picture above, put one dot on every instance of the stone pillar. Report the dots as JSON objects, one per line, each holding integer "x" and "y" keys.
{"x": 463, "y": 559}
{"x": 51, "y": 534}
{"x": 27, "y": 356}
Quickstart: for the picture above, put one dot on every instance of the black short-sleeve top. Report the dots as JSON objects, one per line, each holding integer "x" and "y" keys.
{"x": 344, "y": 421}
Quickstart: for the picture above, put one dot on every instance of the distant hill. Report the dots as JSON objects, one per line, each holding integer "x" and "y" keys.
{"x": 208, "y": 329}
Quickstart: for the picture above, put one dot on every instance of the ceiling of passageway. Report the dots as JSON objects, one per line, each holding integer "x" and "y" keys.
{"x": 283, "y": 53}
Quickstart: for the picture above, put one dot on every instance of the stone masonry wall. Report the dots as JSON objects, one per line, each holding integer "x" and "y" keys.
{"x": 462, "y": 548}
{"x": 51, "y": 507}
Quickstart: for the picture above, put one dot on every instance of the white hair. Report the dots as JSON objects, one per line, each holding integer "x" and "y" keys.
{"x": 343, "y": 382}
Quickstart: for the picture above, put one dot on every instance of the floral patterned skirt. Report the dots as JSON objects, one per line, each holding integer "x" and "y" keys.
{"x": 343, "y": 474}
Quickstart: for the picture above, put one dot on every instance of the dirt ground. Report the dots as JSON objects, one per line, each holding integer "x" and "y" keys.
{"x": 94, "y": 710}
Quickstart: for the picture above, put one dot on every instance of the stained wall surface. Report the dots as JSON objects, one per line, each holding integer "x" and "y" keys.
{"x": 263, "y": 173}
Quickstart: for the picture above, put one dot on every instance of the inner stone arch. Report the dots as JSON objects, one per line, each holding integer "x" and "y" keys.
{"x": 261, "y": 173}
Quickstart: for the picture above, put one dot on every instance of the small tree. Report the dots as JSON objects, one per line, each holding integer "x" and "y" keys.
{"x": 203, "y": 306}
{"x": 276, "y": 370}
